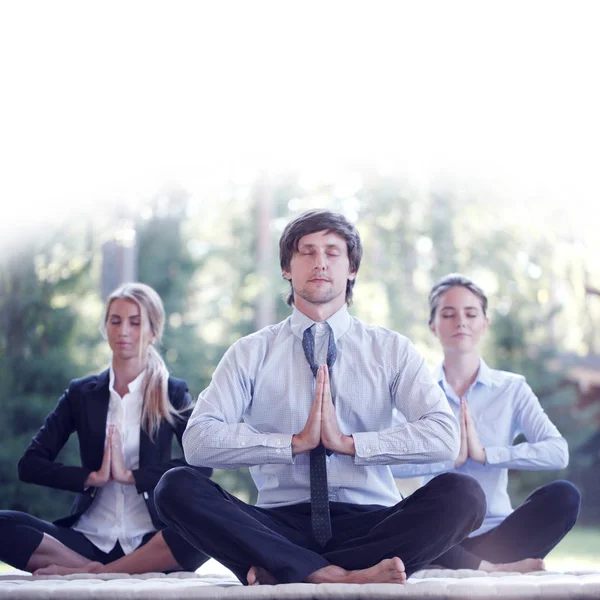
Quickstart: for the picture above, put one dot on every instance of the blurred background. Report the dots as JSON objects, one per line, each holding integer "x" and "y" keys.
{"x": 170, "y": 143}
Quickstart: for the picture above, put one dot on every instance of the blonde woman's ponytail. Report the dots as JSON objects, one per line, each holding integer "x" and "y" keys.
{"x": 157, "y": 405}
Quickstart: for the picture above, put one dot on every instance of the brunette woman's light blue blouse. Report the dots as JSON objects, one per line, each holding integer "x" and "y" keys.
{"x": 502, "y": 406}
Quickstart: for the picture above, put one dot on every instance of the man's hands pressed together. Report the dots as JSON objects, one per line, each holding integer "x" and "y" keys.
{"x": 470, "y": 445}
{"x": 321, "y": 425}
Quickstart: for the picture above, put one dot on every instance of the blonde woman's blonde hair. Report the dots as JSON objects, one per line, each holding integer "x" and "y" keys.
{"x": 156, "y": 404}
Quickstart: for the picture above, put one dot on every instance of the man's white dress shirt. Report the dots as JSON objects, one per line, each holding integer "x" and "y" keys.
{"x": 262, "y": 391}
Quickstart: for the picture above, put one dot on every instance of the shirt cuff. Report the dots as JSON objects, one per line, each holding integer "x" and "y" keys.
{"x": 495, "y": 455}
{"x": 366, "y": 447}
{"x": 268, "y": 440}
{"x": 280, "y": 447}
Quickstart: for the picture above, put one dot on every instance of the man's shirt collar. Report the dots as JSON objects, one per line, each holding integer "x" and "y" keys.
{"x": 338, "y": 321}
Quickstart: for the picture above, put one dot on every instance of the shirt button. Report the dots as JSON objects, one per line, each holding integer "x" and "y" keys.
{"x": 242, "y": 443}
{"x": 368, "y": 450}
{"x": 405, "y": 449}
{"x": 278, "y": 451}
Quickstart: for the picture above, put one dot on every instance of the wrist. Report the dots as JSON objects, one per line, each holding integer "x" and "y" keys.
{"x": 348, "y": 446}
{"x": 480, "y": 457}
{"x": 344, "y": 444}
{"x": 300, "y": 445}
{"x": 94, "y": 479}
{"x": 126, "y": 478}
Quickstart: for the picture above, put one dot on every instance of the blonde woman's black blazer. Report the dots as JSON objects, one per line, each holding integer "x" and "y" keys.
{"x": 83, "y": 409}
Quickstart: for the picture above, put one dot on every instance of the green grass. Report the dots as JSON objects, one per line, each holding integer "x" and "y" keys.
{"x": 4, "y": 568}
{"x": 579, "y": 550}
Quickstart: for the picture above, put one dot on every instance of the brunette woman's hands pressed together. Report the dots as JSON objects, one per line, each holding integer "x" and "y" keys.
{"x": 470, "y": 445}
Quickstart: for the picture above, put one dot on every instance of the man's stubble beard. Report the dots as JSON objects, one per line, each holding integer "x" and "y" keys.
{"x": 317, "y": 297}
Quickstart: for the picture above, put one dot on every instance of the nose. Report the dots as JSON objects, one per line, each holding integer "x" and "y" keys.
{"x": 321, "y": 261}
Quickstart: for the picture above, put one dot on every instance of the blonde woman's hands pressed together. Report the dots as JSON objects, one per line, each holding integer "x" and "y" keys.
{"x": 113, "y": 463}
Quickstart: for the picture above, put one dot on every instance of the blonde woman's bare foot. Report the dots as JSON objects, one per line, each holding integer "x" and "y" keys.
{"x": 91, "y": 567}
{"x": 389, "y": 570}
{"x": 260, "y": 576}
{"x": 527, "y": 565}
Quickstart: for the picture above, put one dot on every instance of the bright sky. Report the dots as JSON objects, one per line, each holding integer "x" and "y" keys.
{"x": 108, "y": 100}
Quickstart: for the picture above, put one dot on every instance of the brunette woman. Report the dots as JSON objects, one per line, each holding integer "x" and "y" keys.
{"x": 493, "y": 407}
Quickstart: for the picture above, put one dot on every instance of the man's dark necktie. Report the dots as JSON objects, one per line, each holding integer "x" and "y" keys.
{"x": 319, "y": 495}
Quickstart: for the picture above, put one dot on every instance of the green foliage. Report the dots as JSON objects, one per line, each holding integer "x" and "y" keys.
{"x": 165, "y": 264}
{"x": 40, "y": 284}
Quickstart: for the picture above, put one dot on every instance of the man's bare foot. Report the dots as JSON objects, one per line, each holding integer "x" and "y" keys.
{"x": 91, "y": 567}
{"x": 389, "y": 570}
{"x": 527, "y": 565}
{"x": 260, "y": 576}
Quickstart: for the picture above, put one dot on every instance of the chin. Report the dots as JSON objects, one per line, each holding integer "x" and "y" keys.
{"x": 318, "y": 298}
{"x": 460, "y": 347}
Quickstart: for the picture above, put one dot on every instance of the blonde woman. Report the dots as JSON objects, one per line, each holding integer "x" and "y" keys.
{"x": 125, "y": 419}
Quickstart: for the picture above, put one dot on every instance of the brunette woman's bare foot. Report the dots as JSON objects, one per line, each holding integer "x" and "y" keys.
{"x": 260, "y": 576}
{"x": 527, "y": 565}
{"x": 389, "y": 570}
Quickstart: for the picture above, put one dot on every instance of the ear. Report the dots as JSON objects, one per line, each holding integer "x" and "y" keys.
{"x": 286, "y": 275}
{"x": 432, "y": 328}
{"x": 351, "y": 275}
{"x": 487, "y": 323}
